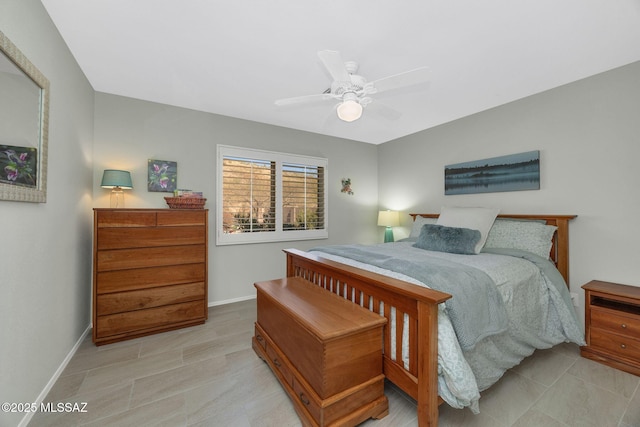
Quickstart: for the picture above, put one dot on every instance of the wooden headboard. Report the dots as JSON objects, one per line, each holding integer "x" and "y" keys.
{"x": 560, "y": 248}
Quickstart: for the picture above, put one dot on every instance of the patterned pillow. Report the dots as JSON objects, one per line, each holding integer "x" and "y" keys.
{"x": 531, "y": 236}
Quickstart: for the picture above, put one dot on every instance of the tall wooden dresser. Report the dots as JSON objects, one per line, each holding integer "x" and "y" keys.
{"x": 149, "y": 271}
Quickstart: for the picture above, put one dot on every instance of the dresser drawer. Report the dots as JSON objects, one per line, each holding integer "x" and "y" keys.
{"x": 119, "y": 302}
{"x": 125, "y": 218}
{"x": 120, "y": 259}
{"x": 182, "y": 217}
{"x": 619, "y": 345}
{"x": 142, "y": 237}
{"x": 615, "y": 321}
{"x": 134, "y": 321}
{"x": 144, "y": 278}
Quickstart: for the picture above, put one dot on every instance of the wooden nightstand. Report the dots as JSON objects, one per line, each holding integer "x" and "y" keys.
{"x": 612, "y": 325}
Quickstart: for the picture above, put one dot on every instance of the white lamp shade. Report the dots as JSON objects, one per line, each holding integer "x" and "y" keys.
{"x": 388, "y": 218}
{"x": 112, "y": 178}
{"x": 349, "y": 110}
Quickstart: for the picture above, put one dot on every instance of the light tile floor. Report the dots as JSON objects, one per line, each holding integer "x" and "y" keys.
{"x": 208, "y": 375}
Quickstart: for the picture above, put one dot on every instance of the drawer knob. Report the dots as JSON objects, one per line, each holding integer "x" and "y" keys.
{"x": 276, "y": 362}
{"x": 623, "y": 326}
{"x": 304, "y": 399}
{"x": 259, "y": 338}
{"x": 623, "y": 346}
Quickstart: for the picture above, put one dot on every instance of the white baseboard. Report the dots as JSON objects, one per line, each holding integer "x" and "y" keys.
{"x": 229, "y": 301}
{"x": 25, "y": 420}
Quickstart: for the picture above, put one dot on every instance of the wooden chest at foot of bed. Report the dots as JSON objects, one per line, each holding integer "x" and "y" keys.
{"x": 325, "y": 351}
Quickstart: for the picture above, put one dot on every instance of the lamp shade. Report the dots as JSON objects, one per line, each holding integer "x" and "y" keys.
{"x": 115, "y": 178}
{"x": 350, "y": 109}
{"x": 388, "y": 218}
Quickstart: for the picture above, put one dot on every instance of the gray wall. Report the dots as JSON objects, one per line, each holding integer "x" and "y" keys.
{"x": 128, "y": 132}
{"x": 588, "y": 134}
{"x": 45, "y": 249}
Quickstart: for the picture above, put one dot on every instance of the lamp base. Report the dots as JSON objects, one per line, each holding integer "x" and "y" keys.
{"x": 388, "y": 235}
{"x": 117, "y": 198}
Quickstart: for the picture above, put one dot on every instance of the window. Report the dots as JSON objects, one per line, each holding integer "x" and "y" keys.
{"x": 265, "y": 196}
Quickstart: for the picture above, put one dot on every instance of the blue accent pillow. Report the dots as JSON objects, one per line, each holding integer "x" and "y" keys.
{"x": 454, "y": 240}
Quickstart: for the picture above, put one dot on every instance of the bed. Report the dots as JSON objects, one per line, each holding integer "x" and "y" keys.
{"x": 411, "y": 343}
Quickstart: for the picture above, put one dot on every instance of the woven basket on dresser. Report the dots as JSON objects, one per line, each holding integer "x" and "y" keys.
{"x": 185, "y": 202}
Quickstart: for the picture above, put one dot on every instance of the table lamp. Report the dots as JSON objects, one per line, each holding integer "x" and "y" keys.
{"x": 117, "y": 180}
{"x": 388, "y": 219}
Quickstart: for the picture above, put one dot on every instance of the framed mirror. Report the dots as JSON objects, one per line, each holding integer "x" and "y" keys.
{"x": 24, "y": 123}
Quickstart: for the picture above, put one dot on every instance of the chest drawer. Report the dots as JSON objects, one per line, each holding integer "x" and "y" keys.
{"x": 152, "y": 277}
{"x": 614, "y": 321}
{"x": 122, "y": 259}
{"x": 119, "y": 302}
{"x": 144, "y": 237}
{"x": 280, "y": 363}
{"x": 139, "y": 320}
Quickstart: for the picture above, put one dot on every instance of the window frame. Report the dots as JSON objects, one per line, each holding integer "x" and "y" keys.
{"x": 279, "y": 235}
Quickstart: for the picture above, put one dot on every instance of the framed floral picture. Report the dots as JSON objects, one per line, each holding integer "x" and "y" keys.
{"x": 19, "y": 166}
{"x": 162, "y": 176}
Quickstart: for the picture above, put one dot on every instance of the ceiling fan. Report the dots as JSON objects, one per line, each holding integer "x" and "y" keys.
{"x": 352, "y": 90}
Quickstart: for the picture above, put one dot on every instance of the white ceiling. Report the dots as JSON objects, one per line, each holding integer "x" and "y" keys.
{"x": 235, "y": 58}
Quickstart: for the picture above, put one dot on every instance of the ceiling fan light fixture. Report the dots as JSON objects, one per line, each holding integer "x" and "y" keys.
{"x": 350, "y": 109}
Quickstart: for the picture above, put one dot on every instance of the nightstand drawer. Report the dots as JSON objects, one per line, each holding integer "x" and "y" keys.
{"x": 618, "y": 345}
{"x": 614, "y": 321}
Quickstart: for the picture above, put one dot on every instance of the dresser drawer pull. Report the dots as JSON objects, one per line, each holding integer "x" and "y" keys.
{"x": 623, "y": 326}
{"x": 623, "y": 346}
{"x": 304, "y": 399}
{"x": 259, "y": 338}
{"x": 276, "y": 362}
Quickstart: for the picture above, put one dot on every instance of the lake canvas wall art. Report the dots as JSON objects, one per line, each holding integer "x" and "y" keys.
{"x": 515, "y": 172}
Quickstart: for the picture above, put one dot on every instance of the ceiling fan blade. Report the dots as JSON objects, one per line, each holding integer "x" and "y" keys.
{"x": 382, "y": 110}
{"x": 335, "y": 65}
{"x": 307, "y": 99}
{"x": 408, "y": 78}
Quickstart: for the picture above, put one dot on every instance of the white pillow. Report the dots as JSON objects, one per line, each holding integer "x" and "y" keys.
{"x": 416, "y": 227}
{"x": 480, "y": 219}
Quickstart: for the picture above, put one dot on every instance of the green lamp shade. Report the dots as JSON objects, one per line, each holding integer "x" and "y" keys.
{"x": 112, "y": 178}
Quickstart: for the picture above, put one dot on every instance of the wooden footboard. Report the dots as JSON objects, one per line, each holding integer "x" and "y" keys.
{"x": 380, "y": 294}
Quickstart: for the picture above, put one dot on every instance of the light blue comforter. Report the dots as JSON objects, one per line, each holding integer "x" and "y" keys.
{"x": 476, "y": 309}
{"x": 538, "y": 307}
